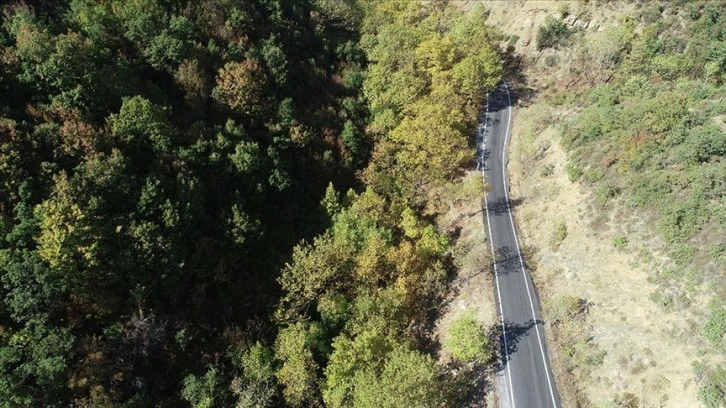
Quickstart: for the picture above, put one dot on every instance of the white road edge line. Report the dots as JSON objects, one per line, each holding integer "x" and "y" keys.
{"x": 496, "y": 276}
{"x": 516, "y": 240}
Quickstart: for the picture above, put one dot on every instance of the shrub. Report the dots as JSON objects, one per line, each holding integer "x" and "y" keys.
{"x": 574, "y": 171}
{"x": 558, "y": 235}
{"x": 620, "y": 242}
{"x": 681, "y": 220}
{"x": 606, "y": 192}
{"x": 648, "y": 189}
{"x": 682, "y": 254}
{"x": 716, "y": 250}
{"x": 468, "y": 342}
{"x": 564, "y": 10}
{"x": 715, "y": 326}
{"x": 652, "y": 14}
{"x": 547, "y": 170}
{"x": 565, "y": 309}
{"x": 712, "y": 384}
{"x": 711, "y": 395}
{"x": 552, "y": 34}
{"x": 594, "y": 175}
{"x": 703, "y": 143}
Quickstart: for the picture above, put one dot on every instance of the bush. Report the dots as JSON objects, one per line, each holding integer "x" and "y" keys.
{"x": 552, "y": 34}
{"x": 620, "y": 242}
{"x": 703, "y": 143}
{"x": 652, "y": 14}
{"x": 711, "y": 395}
{"x": 649, "y": 188}
{"x": 558, "y": 235}
{"x": 682, "y": 254}
{"x": 547, "y": 170}
{"x": 468, "y": 342}
{"x": 626, "y": 400}
{"x": 715, "y": 326}
{"x": 565, "y": 309}
{"x": 594, "y": 175}
{"x": 712, "y": 384}
{"x": 605, "y": 192}
{"x": 574, "y": 171}
{"x": 564, "y": 10}
{"x": 681, "y": 220}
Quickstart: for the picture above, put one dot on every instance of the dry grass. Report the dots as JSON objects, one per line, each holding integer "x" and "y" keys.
{"x": 625, "y": 348}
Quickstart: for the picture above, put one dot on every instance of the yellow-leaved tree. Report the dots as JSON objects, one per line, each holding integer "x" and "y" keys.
{"x": 240, "y": 86}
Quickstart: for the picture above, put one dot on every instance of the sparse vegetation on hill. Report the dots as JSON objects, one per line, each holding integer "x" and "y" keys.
{"x": 639, "y": 107}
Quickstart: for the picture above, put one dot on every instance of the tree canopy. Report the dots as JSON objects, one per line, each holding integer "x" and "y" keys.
{"x": 173, "y": 228}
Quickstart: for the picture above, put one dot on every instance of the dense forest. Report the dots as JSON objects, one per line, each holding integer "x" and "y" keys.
{"x": 229, "y": 203}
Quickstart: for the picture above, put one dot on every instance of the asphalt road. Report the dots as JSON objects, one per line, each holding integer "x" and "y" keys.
{"x": 525, "y": 379}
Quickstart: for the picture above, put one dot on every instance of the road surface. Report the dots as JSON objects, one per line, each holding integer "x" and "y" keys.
{"x": 525, "y": 378}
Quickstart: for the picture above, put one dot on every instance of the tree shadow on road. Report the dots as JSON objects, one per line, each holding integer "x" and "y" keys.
{"x": 515, "y": 333}
{"x": 500, "y": 205}
{"x": 507, "y": 262}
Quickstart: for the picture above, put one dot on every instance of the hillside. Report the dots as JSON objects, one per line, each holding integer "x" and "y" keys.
{"x": 618, "y": 162}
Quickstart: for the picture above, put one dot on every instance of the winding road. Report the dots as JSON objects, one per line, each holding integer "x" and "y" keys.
{"x": 525, "y": 378}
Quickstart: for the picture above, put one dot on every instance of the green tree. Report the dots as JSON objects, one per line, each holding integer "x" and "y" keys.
{"x": 172, "y": 45}
{"x": 140, "y": 125}
{"x": 34, "y": 362}
{"x": 431, "y": 139}
{"x": 240, "y": 86}
{"x": 354, "y": 142}
{"x": 407, "y": 378}
{"x": 436, "y": 54}
{"x": 201, "y": 392}
{"x": 67, "y": 69}
{"x": 392, "y": 81}
{"x": 331, "y": 201}
{"x": 603, "y": 52}
{"x": 478, "y": 74}
{"x": 97, "y": 20}
{"x": 256, "y": 386}
{"x": 298, "y": 373}
{"x": 467, "y": 341}
{"x": 368, "y": 350}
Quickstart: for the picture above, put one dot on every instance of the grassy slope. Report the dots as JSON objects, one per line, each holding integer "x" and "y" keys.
{"x": 635, "y": 160}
